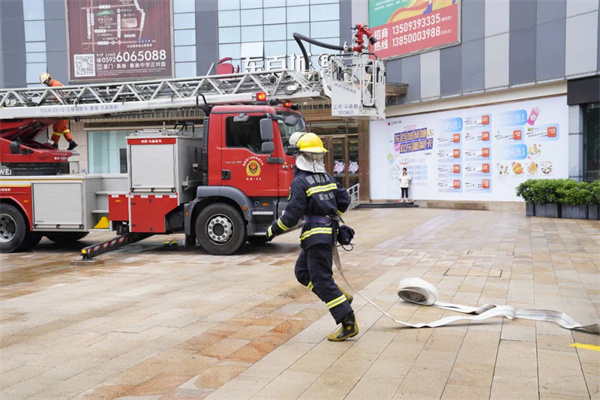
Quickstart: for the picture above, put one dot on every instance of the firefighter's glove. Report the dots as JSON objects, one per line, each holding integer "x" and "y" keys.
{"x": 270, "y": 234}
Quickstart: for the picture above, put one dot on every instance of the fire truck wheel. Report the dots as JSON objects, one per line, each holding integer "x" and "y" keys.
{"x": 220, "y": 229}
{"x": 257, "y": 239}
{"x": 13, "y": 229}
{"x": 66, "y": 237}
{"x": 31, "y": 240}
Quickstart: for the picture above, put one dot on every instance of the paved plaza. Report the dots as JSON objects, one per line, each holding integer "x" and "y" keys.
{"x": 159, "y": 323}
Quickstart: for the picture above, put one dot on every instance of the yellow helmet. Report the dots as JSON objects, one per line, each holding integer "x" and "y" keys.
{"x": 311, "y": 143}
{"x": 45, "y": 77}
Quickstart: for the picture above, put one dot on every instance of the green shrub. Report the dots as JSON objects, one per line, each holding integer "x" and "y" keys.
{"x": 564, "y": 191}
{"x": 595, "y": 189}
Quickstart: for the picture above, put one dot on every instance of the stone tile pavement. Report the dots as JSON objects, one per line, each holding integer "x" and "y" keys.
{"x": 153, "y": 323}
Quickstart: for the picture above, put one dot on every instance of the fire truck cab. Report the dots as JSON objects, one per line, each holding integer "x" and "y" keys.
{"x": 221, "y": 187}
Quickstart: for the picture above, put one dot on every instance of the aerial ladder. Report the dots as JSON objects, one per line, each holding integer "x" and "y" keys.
{"x": 354, "y": 70}
{"x": 354, "y": 80}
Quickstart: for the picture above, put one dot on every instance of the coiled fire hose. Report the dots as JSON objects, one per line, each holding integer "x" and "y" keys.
{"x": 423, "y": 293}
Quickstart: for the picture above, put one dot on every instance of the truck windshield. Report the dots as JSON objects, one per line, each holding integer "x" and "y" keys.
{"x": 286, "y": 131}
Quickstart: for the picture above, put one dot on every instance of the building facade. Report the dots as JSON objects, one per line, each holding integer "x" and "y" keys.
{"x": 528, "y": 66}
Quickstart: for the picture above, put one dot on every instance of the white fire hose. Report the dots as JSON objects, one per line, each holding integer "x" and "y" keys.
{"x": 418, "y": 291}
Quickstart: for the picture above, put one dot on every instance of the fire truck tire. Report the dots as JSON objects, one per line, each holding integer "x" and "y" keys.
{"x": 31, "y": 240}
{"x": 66, "y": 237}
{"x": 257, "y": 239}
{"x": 13, "y": 229}
{"x": 220, "y": 229}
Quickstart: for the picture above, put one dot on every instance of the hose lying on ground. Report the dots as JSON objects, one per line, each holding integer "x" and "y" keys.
{"x": 418, "y": 291}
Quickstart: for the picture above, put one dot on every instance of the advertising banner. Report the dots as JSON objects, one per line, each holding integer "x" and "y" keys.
{"x": 410, "y": 26}
{"x": 480, "y": 153}
{"x": 119, "y": 39}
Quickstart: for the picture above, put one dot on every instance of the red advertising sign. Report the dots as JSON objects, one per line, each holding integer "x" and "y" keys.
{"x": 119, "y": 39}
{"x": 409, "y": 26}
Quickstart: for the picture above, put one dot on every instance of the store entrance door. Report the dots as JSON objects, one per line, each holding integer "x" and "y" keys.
{"x": 341, "y": 159}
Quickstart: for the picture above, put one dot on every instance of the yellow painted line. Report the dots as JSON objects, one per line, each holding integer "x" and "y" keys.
{"x": 11, "y": 185}
{"x": 585, "y": 346}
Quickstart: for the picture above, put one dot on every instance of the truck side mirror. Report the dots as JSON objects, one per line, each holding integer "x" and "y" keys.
{"x": 267, "y": 147}
{"x": 266, "y": 129}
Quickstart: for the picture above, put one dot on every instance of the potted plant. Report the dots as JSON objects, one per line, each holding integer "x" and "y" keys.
{"x": 574, "y": 200}
{"x": 524, "y": 191}
{"x": 545, "y": 196}
{"x": 594, "y": 206}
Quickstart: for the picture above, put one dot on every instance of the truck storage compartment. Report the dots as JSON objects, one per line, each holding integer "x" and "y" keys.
{"x": 148, "y": 212}
{"x": 118, "y": 207}
{"x": 152, "y": 167}
{"x": 58, "y": 205}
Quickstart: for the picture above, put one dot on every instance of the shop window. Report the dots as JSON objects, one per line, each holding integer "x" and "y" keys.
{"x": 324, "y": 29}
{"x": 274, "y": 15}
{"x": 275, "y": 32}
{"x": 252, "y": 17}
{"x": 297, "y": 14}
{"x": 274, "y": 3}
{"x": 229, "y": 4}
{"x": 591, "y": 142}
{"x": 246, "y": 4}
{"x": 252, "y": 34}
{"x": 184, "y": 21}
{"x": 229, "y": 18}
{"x": 325, "y": 12}
{"x": 275, "y": 49}
{"x": 183, "y": 6}
{"x": 35, "y": 31}
{"x": 229, "y": 50}
{"x": 185, "y": 37}
{"x": 303, "y": 29}
{"x": 244, "y": 134}
{"x": 106, "y": 150}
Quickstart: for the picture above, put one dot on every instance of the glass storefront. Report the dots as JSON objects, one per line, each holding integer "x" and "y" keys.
{"x": 341, "y": 139}
{"x": 591, "y": 142}
{"x": 107, "y": 152}
{"x": 260, "y": 32}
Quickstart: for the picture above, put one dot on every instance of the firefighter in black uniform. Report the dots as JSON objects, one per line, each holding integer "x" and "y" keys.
{"x": 319, "y": 198}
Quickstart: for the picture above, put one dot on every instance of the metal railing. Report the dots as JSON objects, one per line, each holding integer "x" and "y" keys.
{"x": 354, "y": 191}
{"x": 149, "y": 96}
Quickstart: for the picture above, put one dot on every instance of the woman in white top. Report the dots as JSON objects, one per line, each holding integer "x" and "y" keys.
{"x": 404, "y": 184}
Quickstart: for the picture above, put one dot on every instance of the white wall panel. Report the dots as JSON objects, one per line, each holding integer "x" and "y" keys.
{"x": 582, "y": 44}
{"x": 576, "y": 7}
{"x": 497, "y": 16}
{"x": 430, "y": 74}
{"x": 496, "y": 61}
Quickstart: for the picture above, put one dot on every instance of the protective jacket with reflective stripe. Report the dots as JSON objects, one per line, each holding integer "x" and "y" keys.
{"x": 314, "y": 194}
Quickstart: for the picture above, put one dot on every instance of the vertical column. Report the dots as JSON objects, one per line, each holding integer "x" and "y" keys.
{"x": 56, "y": 40}
{"x": 576, "y": 142}
{"x": 346, "y": 19}
{"x": 12, "y": 34}
{"x": 206, "y": 35}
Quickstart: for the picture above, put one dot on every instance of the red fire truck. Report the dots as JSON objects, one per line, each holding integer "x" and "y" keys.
{"x": 221, "y": 186}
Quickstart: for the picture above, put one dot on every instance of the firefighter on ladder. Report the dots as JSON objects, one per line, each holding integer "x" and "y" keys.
{"x": 61, "y": 127}
{"x": 319, "y": 198}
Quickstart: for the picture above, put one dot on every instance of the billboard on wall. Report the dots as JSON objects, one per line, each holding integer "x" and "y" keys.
{"x": 480, "y": 153}
{"x": 405, "y": 27}
{"x": 119, "y": 39}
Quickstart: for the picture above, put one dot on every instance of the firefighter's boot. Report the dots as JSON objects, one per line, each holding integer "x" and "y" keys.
{"x": 72, "y": 145}
{"x": 348, "y": 295}
{"x": 348, "y": 329}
